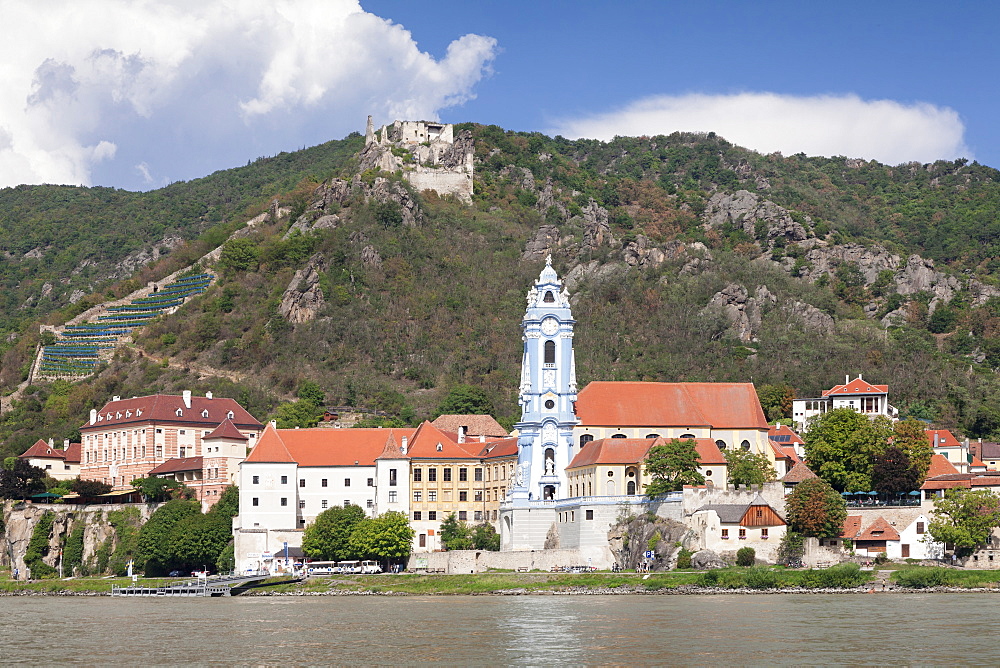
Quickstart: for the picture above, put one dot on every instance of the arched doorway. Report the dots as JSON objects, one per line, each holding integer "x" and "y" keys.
{"x": 549, "y": 492}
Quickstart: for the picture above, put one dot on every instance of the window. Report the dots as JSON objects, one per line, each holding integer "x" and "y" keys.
{"x": 549, "y": 298}
{"x": 447, "y": 475}
{"x": 324, "y": 503}
{"x": 463, "y": 475}
{"x": 585, "y": 439}
{"x": 432, "y": 514}
{"x": 463, "y": 516}
{"x": 477, "y": 516}
{"x": 920, "y": 527}
{"x": 463, "y": 496}
{"x": 284, "y": 480}
{"x": 550, "y": 352}
{"x": 432, "y": 475}
{"x": 720, "y": 444}
{"x": 370, "y": 503}
{"x": 204, "y": 413}
{"x": 619, "y": 436}
{"x": 371, "y": 482}
{"x": 302, "y": 482}
{"x": 745, "y": 445}
{"x": 743, "y": 534}
{"x": 284, "y": 501}
{"x": 255, "y": 502}
{"x": 416, "y": 516}
{"x": 590, "y": 514}
{"x": 417, "y": 475}
{"x": 322, "y": 483}
{"x": 479, "y": 495}
{"x": 347, "y": 482}
{"x": 549, "y": 404}
{"x": 478, "y": 475}
{"x": 763, "y": 533}
{"x": 347, "y": 502}
{"x": 302, "y": 503}
{"x": 256, "y": 480}
{"x": 725, "y": 534}
{"x": 392, "y": 477}
{"x": 432, "y": 495}
{"x": 687, "y": 436}
{"x": 417, "y": 496}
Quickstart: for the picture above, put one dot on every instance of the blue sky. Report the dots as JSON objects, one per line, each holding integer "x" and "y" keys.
{"x": 135, "y": 94}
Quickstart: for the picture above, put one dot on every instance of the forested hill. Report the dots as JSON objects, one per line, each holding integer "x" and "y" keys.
{"x": 688, "y": 258}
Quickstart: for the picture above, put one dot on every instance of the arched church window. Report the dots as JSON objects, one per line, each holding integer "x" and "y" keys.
{"x": 550, "y": 352}
{"x": 630, "y": 489}
{"x": 721, "y": 444}
{"x": 745, "y": 445}
{"x": 619, "y": 436}
{"x": 585, "y": 439}
{"x": 687, "y": 436}
{"x": 652, "y": 435}
{"x": 549, "y": 297}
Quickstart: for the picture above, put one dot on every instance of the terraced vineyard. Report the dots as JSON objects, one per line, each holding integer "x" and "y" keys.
{"x": 78, "y": 349}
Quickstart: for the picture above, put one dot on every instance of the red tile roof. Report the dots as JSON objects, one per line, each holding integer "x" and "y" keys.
{"x": 852, "y": 526}
{"x": 427, "y": 439}
{"x": 476, "y": 425}
{"x": 505, "y": 448}
{"x": 880, "y": 529}
{"x": 270, "y": 448}
{"x": 634, "y": 451}
{"x": 73, "y": 453}
{"x": 227, "y": 430}
{"x": 940, "y": 466}
{"x": 856, "y": 386}
{"x": 717, "y": 405}
{"x": 392, "y": 449}
{"x": 785, "y": 430}
{"x": 178, "y": 464}
{"x": 799, "y": 473}
{"x": 42, "y": 450}
{"x": 162, "y": 408}
{"x": 944, "y": 437}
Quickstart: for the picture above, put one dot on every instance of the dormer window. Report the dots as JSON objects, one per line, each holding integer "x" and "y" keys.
{"x": 180, "y": 413}
{"x": 440, "y": 447}
{"x": 204, "y": 413}
{"x": 118, "y": 416}
{"x": 128, "y": 414}
{"x": 138, "y": 412}
{"x": 230, "y": 415}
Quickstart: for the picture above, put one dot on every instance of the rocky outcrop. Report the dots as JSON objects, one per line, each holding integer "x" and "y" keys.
{"x": 541, "y": 245}
{"x": 640, "y": 252}
{"x": 596, "y": 227}
{"x": 706, "y": 559}
{"x": 370, "y": 257}
{"x": 593, "y": 271}
{"x": 811, "y": 317}
{"x": 630, "y": 539}
{"x": 746, "y": 211}
{"x": 141, "y": 258}
{"x": 303, "y": 298}
{"x": 337, "y": 194}
{"x": 743, "y": 311}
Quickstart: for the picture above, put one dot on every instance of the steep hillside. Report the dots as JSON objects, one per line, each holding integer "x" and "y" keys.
{"x": 688, "y": 259}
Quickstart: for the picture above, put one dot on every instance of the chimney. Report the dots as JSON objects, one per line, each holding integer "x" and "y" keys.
{"x": 482, "y": 438}
{"x": 860, "y": 377}
{"x": 187, "y": 398}
{"x": 93, "y": 415}
{"x": 402, "y": 447}
{"x": 65, "y": 444}
{"x": 116, "y": 398}
{"x": 937, "y": 439}
{"x": 461, "y": 433}
{"x": 847, "y": 378}
{"x": 274, "y": 425}
{"x": 52, "y": 443}
{"x": 208, "y": 395}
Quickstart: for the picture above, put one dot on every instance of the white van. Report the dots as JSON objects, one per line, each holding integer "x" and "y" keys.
{"x": 370, "y": 567}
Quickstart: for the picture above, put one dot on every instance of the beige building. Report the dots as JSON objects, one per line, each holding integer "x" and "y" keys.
{"x": 61, "y": 464}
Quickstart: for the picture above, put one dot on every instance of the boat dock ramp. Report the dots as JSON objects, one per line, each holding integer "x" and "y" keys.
{"x": 220, "y": 585}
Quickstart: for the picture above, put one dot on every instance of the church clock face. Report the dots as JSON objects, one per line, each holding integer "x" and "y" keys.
{"x": 550, "y": 326}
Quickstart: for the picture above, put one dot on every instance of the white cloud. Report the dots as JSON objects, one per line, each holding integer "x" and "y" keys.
{"x": 883, "y": 130}
{"x": 183, "y": 77}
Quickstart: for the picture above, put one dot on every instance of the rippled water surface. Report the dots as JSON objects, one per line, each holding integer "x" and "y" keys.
{"x": 914, "y": 629}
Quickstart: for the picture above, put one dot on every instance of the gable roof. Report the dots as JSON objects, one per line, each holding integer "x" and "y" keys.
{"x": 178, "y": 464}
{"x": 856, "y": 386}
{"x": 427, "y": 438}
{"x": 227, "y": 430}
{"x": 783, "y": 435}
{"x": 716, "y": 405}
{"x": 503, "y": 448}
{"x": 42, "y": 450}
{"x": 163, "y": 408}
{"x": 476, "y": 425}
{"x": 852, "y": 525}
{"x": 799, "y": 473}
{"x": 613, "y": 451}
{"x": 944, "y": 438}
{"x": 73, "y": 453}
{"x": 880, "y": 529}
{"x": 988, "y": 450}
{"x": 940, "y": 466}
{"x": 391, "y": 449}
{"x": 733, "y": 513}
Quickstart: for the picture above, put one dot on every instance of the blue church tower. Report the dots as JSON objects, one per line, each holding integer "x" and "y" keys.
{"x": 547, "y": 393}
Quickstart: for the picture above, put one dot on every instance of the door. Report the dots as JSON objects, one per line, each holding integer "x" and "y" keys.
{"x": 906, "y": 551}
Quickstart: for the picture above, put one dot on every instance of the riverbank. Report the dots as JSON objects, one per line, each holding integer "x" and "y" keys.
{"x": 753, "y": 580}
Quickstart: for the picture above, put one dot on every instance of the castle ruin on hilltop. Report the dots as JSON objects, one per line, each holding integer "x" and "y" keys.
{"x": 428, "y": 154}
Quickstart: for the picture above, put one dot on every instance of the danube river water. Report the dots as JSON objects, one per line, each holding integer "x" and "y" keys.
{"x": 884, "y": 629}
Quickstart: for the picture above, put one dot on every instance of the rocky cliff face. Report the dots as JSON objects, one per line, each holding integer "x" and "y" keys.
{"x": 743, "y": 311}
{"x": 332, "y": 198}
{"x": 303, "y": 298}
{"x": 758, "y": 218}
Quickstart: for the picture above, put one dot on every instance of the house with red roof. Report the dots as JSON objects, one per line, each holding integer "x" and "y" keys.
{"x": 614, "y": 466}
{"x": 895, "y": 533}
{"x": 728, "y": 414}
{"x": 59, "y": 463}
{"x": 955, "y": 451}
{"x": 858, "y": 395}
{"x": 727, "y": 527}
{"x": 127, "y": 438}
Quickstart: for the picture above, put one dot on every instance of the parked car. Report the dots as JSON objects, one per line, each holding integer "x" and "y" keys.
{"x": 200, "y": 574}
{"x": 174, "y": 574}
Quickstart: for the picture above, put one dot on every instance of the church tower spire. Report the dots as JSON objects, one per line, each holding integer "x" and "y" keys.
{"x": 547, "y": 393}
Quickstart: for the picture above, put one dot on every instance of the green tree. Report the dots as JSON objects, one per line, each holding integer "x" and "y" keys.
{"x": 910, "y": 437}
{"x": 485, "y": 537}
{"x": 746, "y": 556}
{"x": 893, "y": 473}
{"x": 238, "y": 255}
{"x": 672, "y": 465}
{"x": 154, "y": 552}
{"x": 197, "y": 541}
{"x": 841, "y": 444}
{"x": 329, "y": 536}
{"x": 455, "y": 535}
{"x": 162, "y": 489}
{"x": 89, "y": 488}
{"x": 965, "y": 518}
{"x": 747, "y": 468}
{"x": 466, "y": 400}
{"x": 386, "y": 537}
{"x": 19, "y": 479}
{"x": 776, "y": 401}
{"x": 304, "y": 414}
{"x": 228, "y": 504}
{"x": 814, "y": 508}
{"x": 311, "y": 392}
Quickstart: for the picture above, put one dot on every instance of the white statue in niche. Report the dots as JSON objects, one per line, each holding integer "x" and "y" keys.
{"x": 521, "y": 476}
{"x": 564, "y": 297}
{"x": 550, "y": 466}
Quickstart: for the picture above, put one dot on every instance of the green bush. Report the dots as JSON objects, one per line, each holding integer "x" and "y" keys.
{"x": 38, "y": 547}
{"x": 921, "y": 578}
{"x": 684, "y": 558}
{"x": 841, "y": 576}
{"x": 73, "y": 552}
{"x": 760, "y": 577}
{"x": 746, "y": 556}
